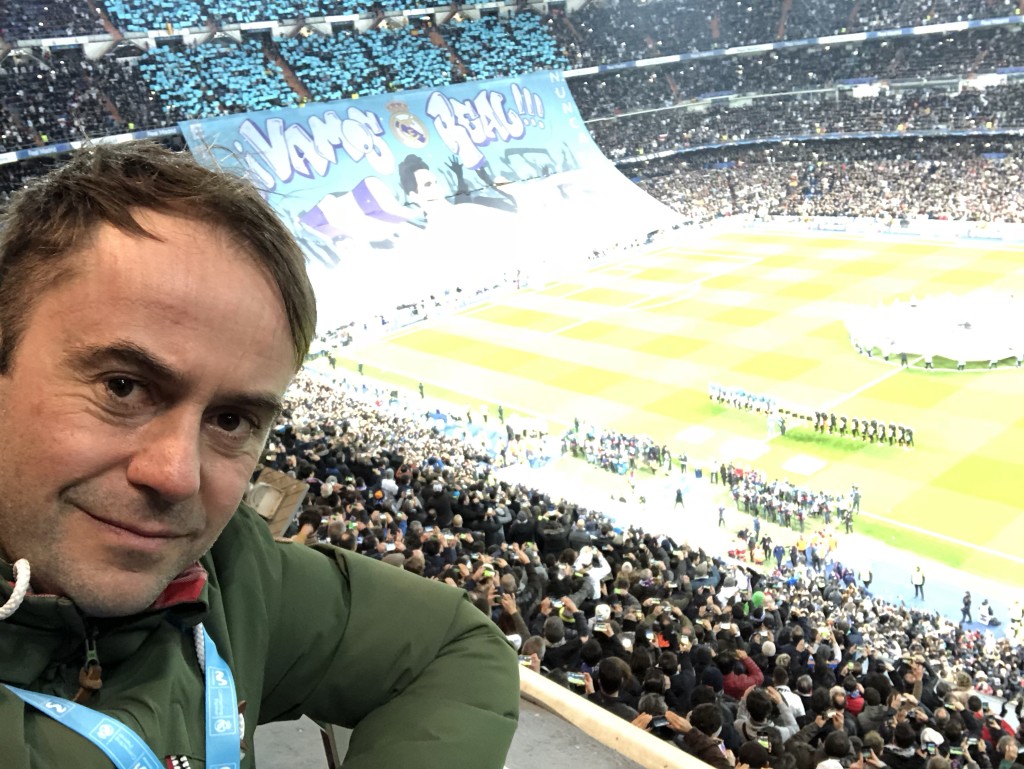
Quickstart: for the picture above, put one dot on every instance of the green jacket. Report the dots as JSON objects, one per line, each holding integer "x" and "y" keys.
{"x": 423, "y": 677}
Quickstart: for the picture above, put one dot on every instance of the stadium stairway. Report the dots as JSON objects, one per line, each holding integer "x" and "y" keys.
{"x": 274, "y": 55}
{"x": 101, "y": 14}
{"x": 780, "y": 30}
{"x": 438, "y": 39}
{"x": 851, "y": 20}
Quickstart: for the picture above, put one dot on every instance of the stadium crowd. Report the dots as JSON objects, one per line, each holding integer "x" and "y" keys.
{"x": 609, "y": 32}
{"x": 794, "y": 666}
{"x": 969, "y": 179}
{"x": 617, "y": 452}
{"x": 707, "y": 652}
{"x": 787, "y": 504}
{"x": 622, "y": 91}
{"x": 63, "y": 95}
{"x": 806, "y": 114}
{"x": 640, "y": 28}
{"x": 56, "y": 94}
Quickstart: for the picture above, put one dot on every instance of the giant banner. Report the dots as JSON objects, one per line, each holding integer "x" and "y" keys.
{"x": 400, "y": 196}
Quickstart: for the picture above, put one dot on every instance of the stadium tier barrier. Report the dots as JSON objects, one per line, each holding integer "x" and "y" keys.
{"x": 937, "y": 229}
{"x": 612, "y": 731}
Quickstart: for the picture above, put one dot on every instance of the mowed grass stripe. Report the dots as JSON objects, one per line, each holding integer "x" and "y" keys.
{"x": 559, "y": 289}
{"x": 621, "y": 347}
{"x": 959, "y": 514}
{"x": 605, "y": 333}
{"x": 915, "y": 388}
{"x": 668, "y": 275}
{"x": 578, "y": 377}
{"x": 984, "y": 477}
{"x": 611, "y": 297}
{"x": 671, "y": 346}
{"x": 962, "y": 479}
{"x": 522, "y": 317}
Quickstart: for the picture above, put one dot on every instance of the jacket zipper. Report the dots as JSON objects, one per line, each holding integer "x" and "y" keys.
{"x": 90, "y": 677}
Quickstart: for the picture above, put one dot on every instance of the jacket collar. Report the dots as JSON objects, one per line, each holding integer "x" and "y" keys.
{"x": 186, "y": 588}
{"x": 42, "y": 644}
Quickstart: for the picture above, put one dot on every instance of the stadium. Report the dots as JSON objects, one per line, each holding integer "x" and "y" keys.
{"x": 728, "y": 293}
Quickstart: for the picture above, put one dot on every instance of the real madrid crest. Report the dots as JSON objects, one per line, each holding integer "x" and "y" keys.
{"x": 406, "y": 127}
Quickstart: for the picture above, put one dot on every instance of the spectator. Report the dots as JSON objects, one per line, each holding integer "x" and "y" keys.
{"x": 699, "y": 735}
{"x": 739, "y": 673}
{"x": 612, "y": 674}
{"x": 755, "y": 716}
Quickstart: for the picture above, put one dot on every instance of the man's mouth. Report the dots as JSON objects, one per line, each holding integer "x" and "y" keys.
{"x": 135, "y": 534}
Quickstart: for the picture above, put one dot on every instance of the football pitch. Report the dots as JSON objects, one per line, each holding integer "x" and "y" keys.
{"x": 633, "y": 344}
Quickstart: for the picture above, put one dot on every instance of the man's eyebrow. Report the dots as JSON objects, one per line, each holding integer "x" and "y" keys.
{"x": 264, "y": 403}
{"x": 126, "y": 353}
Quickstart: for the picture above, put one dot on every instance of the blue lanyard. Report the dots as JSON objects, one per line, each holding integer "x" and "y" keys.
{"x": 120, "y": 744}
{"x": 127, "y": 750}
{"x": 223, "y": 742}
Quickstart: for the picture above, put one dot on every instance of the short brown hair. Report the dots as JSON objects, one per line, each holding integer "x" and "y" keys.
{"x": 58, "y": 213}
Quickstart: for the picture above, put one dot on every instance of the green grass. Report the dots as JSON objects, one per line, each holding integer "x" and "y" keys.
{"x": 638, "y": 357}
{"x": 948, "y": 364}
{"x": 932, "y": 547}
{"x": 349, "y": 368}
{"x": 832, "y": 445}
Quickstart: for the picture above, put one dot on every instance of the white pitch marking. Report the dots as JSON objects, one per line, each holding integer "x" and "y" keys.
{"x": 744, "y": 448}
{"x": 868, "y": 385}
{"x": 803, "y": 464}
{"x": 684, "y": 291}
{"x": 945, "y": 538}
{"x": 695, "y": 435}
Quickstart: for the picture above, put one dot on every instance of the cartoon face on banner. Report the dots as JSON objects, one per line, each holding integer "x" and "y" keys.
{"x": 475, "y": 171}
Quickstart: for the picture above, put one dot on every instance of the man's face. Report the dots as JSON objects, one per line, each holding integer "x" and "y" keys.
{"x": 135, "y": 408}
{"x": 428, "y": 187}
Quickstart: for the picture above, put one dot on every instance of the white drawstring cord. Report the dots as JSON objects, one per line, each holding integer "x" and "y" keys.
{"x": 22, "y": 574}
{"x": 200, "y": 641}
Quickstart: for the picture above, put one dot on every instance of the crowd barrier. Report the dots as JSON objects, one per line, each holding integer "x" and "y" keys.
{"x": 617, "y": 734}
{"x": 937, "y": 229}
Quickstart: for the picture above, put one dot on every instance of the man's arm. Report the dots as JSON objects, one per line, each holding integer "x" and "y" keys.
{"x": 373, "y": 647}
{"x": 786, "y": 722}
{"x": 754, "y": 676}
{"x": 508, "y": 602}
{"x": 702, "y": 746}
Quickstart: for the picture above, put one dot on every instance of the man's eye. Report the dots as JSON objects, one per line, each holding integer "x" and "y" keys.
{"x": 229, "y": 423}
{"x": 121, "y": 387}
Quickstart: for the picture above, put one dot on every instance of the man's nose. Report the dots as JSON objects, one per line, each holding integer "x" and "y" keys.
{"x": 167, "y": 461}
